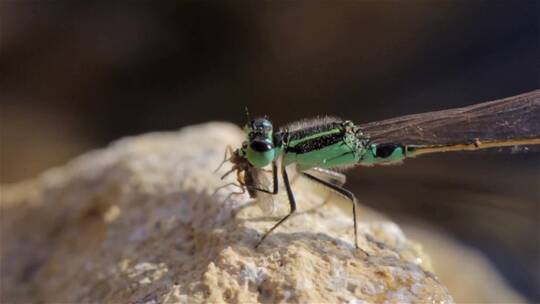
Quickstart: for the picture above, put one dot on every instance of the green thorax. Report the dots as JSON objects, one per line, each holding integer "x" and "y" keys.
{"x": 325, "y": 144}
{"x": 329, "y": 145}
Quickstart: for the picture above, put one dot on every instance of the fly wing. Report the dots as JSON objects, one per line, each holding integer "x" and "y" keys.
{"x": 257, "y": 178}
{"x": 516, "y": 117}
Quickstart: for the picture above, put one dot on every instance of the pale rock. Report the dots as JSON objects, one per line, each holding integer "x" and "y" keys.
{"x": 136, "y": 222}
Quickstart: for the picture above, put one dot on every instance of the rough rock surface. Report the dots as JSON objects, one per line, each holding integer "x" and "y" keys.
{"x": 136, "y": 222}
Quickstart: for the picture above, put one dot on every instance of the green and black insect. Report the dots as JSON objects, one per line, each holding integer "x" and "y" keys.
{"x": 316, "y": 147}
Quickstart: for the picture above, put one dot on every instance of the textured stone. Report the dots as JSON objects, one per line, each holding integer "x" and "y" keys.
{"x": 136, "y": 222}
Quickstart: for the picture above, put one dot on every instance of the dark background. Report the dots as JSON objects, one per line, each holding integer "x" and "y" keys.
{"x": 75, "y": 75}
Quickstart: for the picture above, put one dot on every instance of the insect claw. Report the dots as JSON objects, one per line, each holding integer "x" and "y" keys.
{"x": 363, "y": 251}
{"x": 260, "y": 241}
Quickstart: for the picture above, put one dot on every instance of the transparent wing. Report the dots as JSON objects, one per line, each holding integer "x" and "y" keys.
{"x": 507, "y": 119}
{"x": 330, "y": 176}
{"x": 258, "y": 178}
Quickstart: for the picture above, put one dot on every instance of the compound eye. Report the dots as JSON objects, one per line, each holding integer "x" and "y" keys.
{"x": 260, "y": 153}
{"x": 262, "y": 124}
{"x": 261, "y": 146}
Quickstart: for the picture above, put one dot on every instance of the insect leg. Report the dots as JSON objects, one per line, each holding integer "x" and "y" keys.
{"x": 225, "y": 186}
{"x": 229, "y": 172}
{"x": 242, "y": 191}
{"x": 348, "y": 194}
{"x": 241, "y": 188}
{"x": 228, "y": 150}
{"x": 330, "y": 176}
{"x": 292, "y": 203}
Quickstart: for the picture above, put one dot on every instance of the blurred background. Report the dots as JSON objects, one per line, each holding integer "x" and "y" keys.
{"x": 76, "y": 75}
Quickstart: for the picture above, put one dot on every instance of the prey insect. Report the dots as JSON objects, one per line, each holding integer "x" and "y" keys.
{"x": 316, "y": 147}
{"x": 250, "y": 178}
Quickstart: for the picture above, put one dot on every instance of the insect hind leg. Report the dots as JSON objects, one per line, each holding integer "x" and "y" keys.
{"x": 348, "y": 194}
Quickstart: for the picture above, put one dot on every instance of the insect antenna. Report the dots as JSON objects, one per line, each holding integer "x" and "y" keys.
{"x": 247, "y": 115}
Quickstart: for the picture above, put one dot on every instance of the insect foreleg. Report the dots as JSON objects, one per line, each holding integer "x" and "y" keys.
{"x": 292, "y": 203}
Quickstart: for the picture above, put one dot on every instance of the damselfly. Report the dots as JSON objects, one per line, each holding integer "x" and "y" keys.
{"x": 316, "y": 147}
